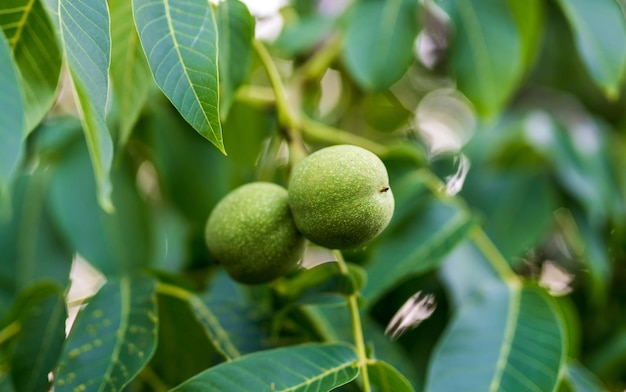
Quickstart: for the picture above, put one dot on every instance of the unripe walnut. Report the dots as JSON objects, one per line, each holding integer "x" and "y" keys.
{"x": 340, "y": 197}
{"x": 252, "y": 234}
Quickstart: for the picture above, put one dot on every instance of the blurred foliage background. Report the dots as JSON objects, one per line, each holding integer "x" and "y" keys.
{"x": 503, "y": 115}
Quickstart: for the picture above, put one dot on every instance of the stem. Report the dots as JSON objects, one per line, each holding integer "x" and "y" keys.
{"x": 153, "y": 380}
{"x": 357, "y": 328}
{"x": 9, "y": 331}
{"x": 322, "y": 132}
{"x": 286, "y": 116}
{"x": 319, "y": 63}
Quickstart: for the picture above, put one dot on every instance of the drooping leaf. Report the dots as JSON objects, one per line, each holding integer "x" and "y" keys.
{"x": 486, "y": 52}
{"x": 307, "y": 367}
{"x": 36, "y": 52}
{"x": 379, "y": 42}
{"x": 30, "y": 248}
{"x": 87, "y": 46}
{"x": 41, "y": 313}
{"x": 600, "y": 32}
{"x": 112, "y": 339}
{"x": 386, "y": 378}
{"x": 113, "y": 243}
{"x": 511, "y": 339}
{"x": 179, "y": 38}
{"x": 130, "y": 73}
{"x": 12, "y": 130}
{"x": 415, "y": 245}
{"x": 236, "y": 31}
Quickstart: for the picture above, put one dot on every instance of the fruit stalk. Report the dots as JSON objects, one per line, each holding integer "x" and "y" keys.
{"x": 357, "y": 328}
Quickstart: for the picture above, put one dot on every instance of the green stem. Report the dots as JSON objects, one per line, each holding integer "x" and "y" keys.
{"x": 287, "y": 118}
{"x": 9, "y": 331}
{"x": 357, "y": 328}
{"x": 319, "y": 63}
{"x": 325, "y": 133}
{"x": 153, "y": 380}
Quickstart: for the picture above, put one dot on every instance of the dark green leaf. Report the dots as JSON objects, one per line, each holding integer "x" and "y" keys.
{"x": 236, "y": 31}
{"x": 386, "y": 378}
{"x": 30, "y": 248}
{"x": 600, "y": 32}
{"x": 517, "y": 207}
{"x": 183, "y": 349}
{"x": 379, "y": 42}
{"x": 113, "y": 243}
{"x": 37, "y": 55}
{"x": 41, "y": 313}
{"x": 415, "y": 245}
{"x": 528, "y": 16}
{"x": 510, "y": 340}
{"x": 130, "y": 74}
{"x": 112, "y": 339}
{"x": 11, "y": 116}
{"x": 87, "y": 46}
{"x": 296, "y": 368}
{"x": 179, "y": 38}
{"x": 486, "y": 53}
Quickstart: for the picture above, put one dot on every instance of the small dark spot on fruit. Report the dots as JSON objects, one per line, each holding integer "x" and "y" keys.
{"x": 384, "y": 189}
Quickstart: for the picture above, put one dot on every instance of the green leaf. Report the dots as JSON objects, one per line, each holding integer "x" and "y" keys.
{"x": 379, "y": 42}
{"x": 333, "y": 323}
{"x": 36, "y": 52}
{"x": 41, "y": 313}
{"x": 486, "y": 53}
{"x": 87, "y": 46}
{"x": 321, "y": 367}
{"x": 580, "y": 379}
{"x": 113, "y": 243}
{"x": 11, "y": 116}
{"x": 130, "y": 73}
{"x": 179, "y": 38}
{"x": 236, "y": 31}
{"x": 183, "y": 348}
{"x": 386, "y": 378}
{"x": 30, "y": 248}
{"x": 511, "y": 339}
{"x": 112, "y": 339}
{"x": 517, "y": 207}
{"x": 600, "y": 31}
{"x": 415, "y": 245}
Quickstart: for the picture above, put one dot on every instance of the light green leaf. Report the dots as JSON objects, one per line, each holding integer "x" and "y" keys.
{"x": 236, "y": 31}
{"x": 600, "y": 31}
{"x": 37, "y": 55}
{"x": 509, "y": 340}
{"x": 379, "y": 42}
{"x": 112, "y": 339}
{"x": 320, "y": 367}
{"x": 41, "y": 313}
{"x": 486, "y": 53}
{"x": 130, "y": 73}
{"x": 415, "y": 245}
{"x": 11, "y": 116}
{"x": 386, "y": 378}
{"x": 87, "y": 46}
{"x": 179, "y": 38}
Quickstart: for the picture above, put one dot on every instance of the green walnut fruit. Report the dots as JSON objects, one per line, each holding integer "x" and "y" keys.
{"x": 340, "y": 197}
{"x": 252, "y": 234}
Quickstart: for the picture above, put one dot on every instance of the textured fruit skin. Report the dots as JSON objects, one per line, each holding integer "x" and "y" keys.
{"x": 252, "y": 234}
{"x": 340, "y": 197}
